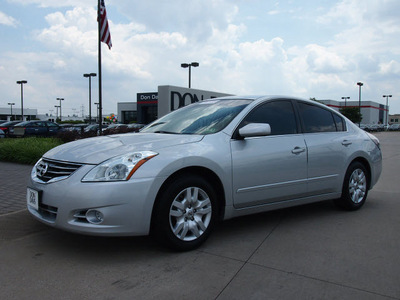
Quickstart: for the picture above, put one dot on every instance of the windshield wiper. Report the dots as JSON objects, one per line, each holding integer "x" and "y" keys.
{"x": 168, "y": 132}
{"x": 156, "y": 124}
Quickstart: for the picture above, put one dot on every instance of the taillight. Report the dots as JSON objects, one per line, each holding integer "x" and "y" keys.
{"x": 374, "y": 139}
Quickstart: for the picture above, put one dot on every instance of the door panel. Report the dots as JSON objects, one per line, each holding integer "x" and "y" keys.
{"x": 327, "y": 156}
{"x": 268, "y": 169}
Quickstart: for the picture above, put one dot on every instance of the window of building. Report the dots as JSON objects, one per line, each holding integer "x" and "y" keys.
{"x": 129, "y": 116}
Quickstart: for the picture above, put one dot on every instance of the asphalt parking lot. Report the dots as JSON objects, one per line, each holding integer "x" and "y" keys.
{"x": 309, "y": 252}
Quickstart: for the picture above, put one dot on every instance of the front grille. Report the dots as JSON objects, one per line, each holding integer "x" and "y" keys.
{"x": 47, "y": 170}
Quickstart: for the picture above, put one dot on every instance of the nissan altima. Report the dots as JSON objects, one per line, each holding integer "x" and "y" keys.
{"x": 209, "y": 161}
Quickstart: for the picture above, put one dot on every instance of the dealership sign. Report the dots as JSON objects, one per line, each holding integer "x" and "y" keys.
{"x": 147, "y": 98}
{"x": 173, "y": 97}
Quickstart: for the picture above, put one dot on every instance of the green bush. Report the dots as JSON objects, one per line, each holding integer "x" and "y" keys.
{"x": 26, "y": 150}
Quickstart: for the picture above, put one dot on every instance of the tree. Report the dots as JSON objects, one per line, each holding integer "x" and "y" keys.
{"x": 352, "y": 113}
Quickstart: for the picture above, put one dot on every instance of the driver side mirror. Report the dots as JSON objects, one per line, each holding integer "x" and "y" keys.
{"x": 254, "y": 130}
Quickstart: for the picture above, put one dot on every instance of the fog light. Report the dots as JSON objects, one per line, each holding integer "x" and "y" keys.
{"x": 94, "y": 216}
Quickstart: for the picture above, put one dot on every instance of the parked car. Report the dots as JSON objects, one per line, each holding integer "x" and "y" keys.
{"x": 6, "y": 126}
{"x": 209, "y": 161}
{"x": 135, "y": 127}
{"x": 394, "y": 127}
{"x": 116, "y": 128}
{"x": 95, "y": 127}
{"x": 34, "y": 128}
{"x": 2, "y": 134}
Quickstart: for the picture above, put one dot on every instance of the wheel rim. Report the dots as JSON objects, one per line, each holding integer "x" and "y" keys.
{"x": 357, "y": 186}
{"x": 190, "y": 214}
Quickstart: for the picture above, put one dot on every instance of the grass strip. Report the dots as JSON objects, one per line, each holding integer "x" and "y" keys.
{"x": 26, "y": 150}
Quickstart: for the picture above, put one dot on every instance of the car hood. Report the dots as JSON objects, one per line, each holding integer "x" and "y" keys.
{"x": 98, "y": 149}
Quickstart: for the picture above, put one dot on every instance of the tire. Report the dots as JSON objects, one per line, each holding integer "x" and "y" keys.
{"x": 186, "y": 213}
{"x": 355, "y": 187}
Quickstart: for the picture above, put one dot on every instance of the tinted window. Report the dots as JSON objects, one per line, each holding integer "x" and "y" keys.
{"x": 278, "y": 114}
{"x": 339, "y": 123}
{"x": 316, "y": 119}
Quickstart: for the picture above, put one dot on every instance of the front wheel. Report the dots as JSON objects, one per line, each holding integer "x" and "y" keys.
{"x": 355, "y": 187}
{"x": 186, "y": 213}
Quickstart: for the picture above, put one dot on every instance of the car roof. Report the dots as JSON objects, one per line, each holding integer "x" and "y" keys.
{"x": 262, "y": 97}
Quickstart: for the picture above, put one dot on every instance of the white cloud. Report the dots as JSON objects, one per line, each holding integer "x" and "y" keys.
{"x": 152, "y": 39}
{"x": 7, "y": 20}
{"x": 53, "y": 4}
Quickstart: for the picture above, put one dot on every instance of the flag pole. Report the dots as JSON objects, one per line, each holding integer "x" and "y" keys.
{"x": 99, "y": 66}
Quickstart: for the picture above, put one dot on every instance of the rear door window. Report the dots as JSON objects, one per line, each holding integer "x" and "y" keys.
{"x": 316, "y": 119}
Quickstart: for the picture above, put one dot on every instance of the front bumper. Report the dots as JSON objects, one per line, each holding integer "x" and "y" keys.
{"x": 126, "y": 206}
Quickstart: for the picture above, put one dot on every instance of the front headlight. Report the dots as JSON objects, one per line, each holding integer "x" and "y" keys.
{"x": 120, "y": 167}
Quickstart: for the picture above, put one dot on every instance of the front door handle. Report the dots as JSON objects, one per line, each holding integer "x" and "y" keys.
{"x": 298, "y": 150}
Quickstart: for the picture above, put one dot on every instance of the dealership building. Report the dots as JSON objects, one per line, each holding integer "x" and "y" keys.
{"x": 150, "y": 106}
{"x": 153, "y": 105}
{"x": 15, "y": 114}
{"x": 372, "y": 112}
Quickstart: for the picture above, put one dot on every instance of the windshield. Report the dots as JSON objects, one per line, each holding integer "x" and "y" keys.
{"x": 204, "y": 117}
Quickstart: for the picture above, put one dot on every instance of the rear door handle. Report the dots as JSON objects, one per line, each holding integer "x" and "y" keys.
{"x": 346, "y": 143}
{"x": 298, "y": 150}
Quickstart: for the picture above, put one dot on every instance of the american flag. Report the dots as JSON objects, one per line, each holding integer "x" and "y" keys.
{"x": 104, "y": 28}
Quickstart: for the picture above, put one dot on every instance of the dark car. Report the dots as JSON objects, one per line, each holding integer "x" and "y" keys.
{"x": 135, "y": 127}
{"x": 6, "y": 126}
{"x": 34, "y": 128}
{"x": 95, "y": 127}
{"x": 115, "y": 129}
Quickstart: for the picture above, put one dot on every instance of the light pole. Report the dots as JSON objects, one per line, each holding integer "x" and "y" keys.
{"x": 60, "y": 99}
{"x": 90, "y": 75}
{"x": 345, "y": 100}
{"x": 21, "y": 82}
{"x": 97, "y": 103}
{"x": 11, "y": 104}
{"x": 193, "y": 64}
{"x": 387, "y": 108}
{"x": 56, "y": 106}
{"x": 360, "y": 84}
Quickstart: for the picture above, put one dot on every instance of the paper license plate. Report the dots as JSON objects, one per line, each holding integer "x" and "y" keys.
{"x": 32, "y": 198}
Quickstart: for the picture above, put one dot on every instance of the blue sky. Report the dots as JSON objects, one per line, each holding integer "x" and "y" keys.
{"x": 304, "y": 48}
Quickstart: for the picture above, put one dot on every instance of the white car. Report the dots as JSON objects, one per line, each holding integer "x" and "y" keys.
{"x": 209, "y": 161}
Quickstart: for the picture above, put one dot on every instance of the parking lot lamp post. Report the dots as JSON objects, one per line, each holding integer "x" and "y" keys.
{"x": 193, "y": 64}
{"x": 60, "y": 99}
{"x": 11, "y": 104}
{"x": 56, "y": 106}
{"x": 360, "y": 84}
{"x": 345, "y": 100}
{"x": 387, "y": 108}
{"x": 21, "y": 82}
{"x": 90, "y": 75}
{"x": 97, "y": 104}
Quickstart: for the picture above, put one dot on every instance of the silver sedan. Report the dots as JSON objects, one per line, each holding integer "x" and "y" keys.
{"x": 209, "y": 161}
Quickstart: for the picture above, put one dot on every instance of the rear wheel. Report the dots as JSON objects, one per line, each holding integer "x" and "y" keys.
{"x": 186, "y": 213}
{"x": 355, "y": 187}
